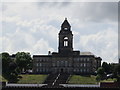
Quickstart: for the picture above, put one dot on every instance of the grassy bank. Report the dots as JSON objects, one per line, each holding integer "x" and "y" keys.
{"x": 2, "y": 79}
{"x": 32, "y": 79}
{"x": 74, "y": 79}
{"x": 78, "y": 79}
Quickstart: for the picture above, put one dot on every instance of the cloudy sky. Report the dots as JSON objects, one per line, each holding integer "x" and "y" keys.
{"x": 34, "y": 27}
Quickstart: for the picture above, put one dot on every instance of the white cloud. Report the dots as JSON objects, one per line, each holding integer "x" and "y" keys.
{"x": 60, "y": 0}
{"x": 41, "y": 47}
{"x": 102, "y": 44}
{"x": 34, "y": 27}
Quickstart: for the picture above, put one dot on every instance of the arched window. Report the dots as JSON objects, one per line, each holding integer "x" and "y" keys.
{"x": 65, "y": 38}
{"x": 65, "y": 41}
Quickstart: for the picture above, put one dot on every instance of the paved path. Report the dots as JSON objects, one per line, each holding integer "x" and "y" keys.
{"x": 55, "y": 80}
{"x": 80, "y": 85}
{"x": 25, "y": 85}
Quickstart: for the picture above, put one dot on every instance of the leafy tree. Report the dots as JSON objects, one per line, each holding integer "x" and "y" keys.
{"x": 107, "y": 67}
{"x": 5, "y": 63}
{"x": 8, "y": 67}
{"x": 99, "y": 77}
{"x": 101, "y": 71}
{"x": 118, "y": 69}
{"x": 117, "y": 72}
{"x": 24, "y": 61}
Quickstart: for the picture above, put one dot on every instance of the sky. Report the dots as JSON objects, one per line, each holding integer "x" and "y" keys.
{"x": 34, "y": 26}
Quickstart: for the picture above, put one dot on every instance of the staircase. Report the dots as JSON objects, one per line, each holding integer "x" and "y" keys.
{"x": 63, "y": 77}
{"x": 54, "y": 80}
{"x": 50, "y": 79}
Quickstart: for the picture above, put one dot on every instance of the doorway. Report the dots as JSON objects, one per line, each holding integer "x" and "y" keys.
{"x": 61, "y": 70}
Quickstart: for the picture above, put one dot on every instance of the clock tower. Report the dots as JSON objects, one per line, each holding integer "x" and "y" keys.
{"x": 65, "y": 38}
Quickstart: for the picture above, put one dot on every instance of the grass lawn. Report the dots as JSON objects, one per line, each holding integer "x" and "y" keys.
{"x": 32, "y": 79}
{"x": 2, "y": 79}
{"x": 109, "y": 80}
{"x": 78, "y": 79}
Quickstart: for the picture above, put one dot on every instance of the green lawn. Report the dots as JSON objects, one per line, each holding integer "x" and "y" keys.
{"x": 32, "y": 79}
{"x": 109, "y": 80}
{"x": 74, "y": 79}
{"x": 78, "y": 79}
{"x": 2, "y": 79}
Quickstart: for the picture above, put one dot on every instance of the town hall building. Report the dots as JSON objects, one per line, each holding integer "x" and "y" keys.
{"x": 66, "y": 60}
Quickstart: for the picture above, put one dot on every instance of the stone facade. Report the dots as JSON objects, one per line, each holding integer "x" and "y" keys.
{"x": 66, "y": 59}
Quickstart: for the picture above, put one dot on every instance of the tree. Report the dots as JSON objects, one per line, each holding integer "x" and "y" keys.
{"x": 24, "y": 61}
{"x": 5, "y": 63}
{"x": 98, "y": 78}
{"x": 107, "y": 67}
{"x": 8, "y": 67}
{"x": 118, "y": 69}
{"x": 117, "y": 72}
{"x": 101, "y": 71}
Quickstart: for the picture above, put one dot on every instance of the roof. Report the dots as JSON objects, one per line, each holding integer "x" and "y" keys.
{"x": 65, "y": 23}
{"x": 86, "y": 53}
{"x": 41, "y": 55}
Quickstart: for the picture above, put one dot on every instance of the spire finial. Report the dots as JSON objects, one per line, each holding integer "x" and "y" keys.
{"x": 65, "y": 18}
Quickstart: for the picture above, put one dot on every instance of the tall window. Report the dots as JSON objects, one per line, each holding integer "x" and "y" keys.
{"x": 84, "y": 64}
{"x": 66, "y": 63}
{"x": 66, "y": 41}
{"x": 58, "y": 63}
{"x": 37, "y": 69}
{"x": 37, "y": 64}
{"x": 40, "y": 64}
{"x": 62, "y": 63}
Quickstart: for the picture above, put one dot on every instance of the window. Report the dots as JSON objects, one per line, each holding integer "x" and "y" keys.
{"x": 57, "y": 63}
{"x": 81, "y": 64}
{"x": 87, "y": 70}
{"x": 65, "y": 28}
{"x": 66, "y": 63}
{"x": 40, "y": 64}
{"x": 88, "y": 59}
{"x": 81, "y": 70}
{"x": 84, "y": 59}
{"x": 84, "y": 70}
{"x": 66, "y": 38}
{"x": 70, "y": 64}
{"x": 37, "y": 64}
{"x": 88, "y": 64}
{"x": 65, "y": 41}
{"x": 37, "y": 69}
{"x": 81, "y": 59}
{"x": 62, "y": 63}
{"x": 84, "y": 64}
{"x": 43, "y": 69}
{"x": 53, "y": 64}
